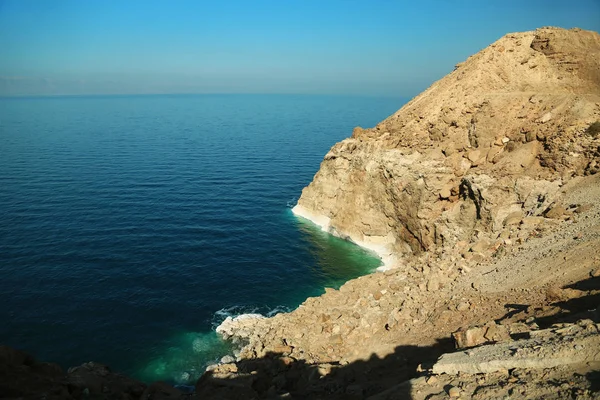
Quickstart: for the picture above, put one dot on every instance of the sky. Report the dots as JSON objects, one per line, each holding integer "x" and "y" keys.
{"x": 358, "y": 47}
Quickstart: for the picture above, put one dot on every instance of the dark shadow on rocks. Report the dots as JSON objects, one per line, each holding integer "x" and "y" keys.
{"x": 594, "y": 378}
{"x": 585, "y": 306}
{"x": 273, "y": 376}
{"x": 22, "y": 377}
{"x": 512, "y": 310}
{"x": 279, "y": 376}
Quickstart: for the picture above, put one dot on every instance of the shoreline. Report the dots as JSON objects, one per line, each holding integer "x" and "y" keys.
{"x": 228, "y": 327}
{"x": 388, "y": 259}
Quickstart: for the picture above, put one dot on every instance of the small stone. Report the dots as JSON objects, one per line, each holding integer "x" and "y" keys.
{"x": 227, "y": 359}
{"x": 474, "y": 156}
{"x": 432, "y": 380}
{"x": 445, "y": 193}
{"x": 530, "y": 137}
{"x": 545, "y": 118}
{"x": 433, "y": 285}
{"x": 454, "y": 392}
{"x": 556, "y": 212}
{"x": 470, "y": 337}
{"x": 481, "y": 246}
{"x": 493, "y": 152}
{"x": 496, "y": 333}
{"x": 513, "y": 218}
{"x": 211, "y": 367}
{"x": 505, "y": 140}
{"x": 282, "y": 349}
{"x": 595, "y": 273}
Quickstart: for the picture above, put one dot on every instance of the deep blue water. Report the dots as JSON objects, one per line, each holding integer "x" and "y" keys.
{"x": 130, "y": 226}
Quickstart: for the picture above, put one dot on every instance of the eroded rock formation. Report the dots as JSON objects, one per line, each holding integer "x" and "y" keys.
{"x": 491, "y": 142}
{"x": 481, "y": 197}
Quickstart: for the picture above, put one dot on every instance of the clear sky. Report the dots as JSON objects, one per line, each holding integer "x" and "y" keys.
{"x": 370, "y": 47}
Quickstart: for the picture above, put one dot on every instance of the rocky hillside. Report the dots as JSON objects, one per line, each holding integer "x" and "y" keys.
{"x": 481, "y": 196}
{"x": 489, "y": 143}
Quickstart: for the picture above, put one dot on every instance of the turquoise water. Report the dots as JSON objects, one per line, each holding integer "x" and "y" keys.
{"x": 131, "y": 226}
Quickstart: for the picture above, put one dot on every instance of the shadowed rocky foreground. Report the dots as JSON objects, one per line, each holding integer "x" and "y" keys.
{"x": 521, "y": 359}
{"x": 482, "y": 197}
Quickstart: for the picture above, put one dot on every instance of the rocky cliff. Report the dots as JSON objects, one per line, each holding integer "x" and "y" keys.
{"x": 491, "y": 142}
{"x": 481, "y": 196}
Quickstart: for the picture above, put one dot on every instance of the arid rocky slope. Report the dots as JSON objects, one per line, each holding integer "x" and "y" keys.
{"x": 482, "y": 197}
{"x": 493, "y": 139}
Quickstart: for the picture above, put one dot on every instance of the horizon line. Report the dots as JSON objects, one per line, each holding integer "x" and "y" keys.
{"x": 32, "y": 96}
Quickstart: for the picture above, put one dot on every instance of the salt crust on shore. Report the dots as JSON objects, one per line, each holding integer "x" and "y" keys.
{"x": 388, "y": 260}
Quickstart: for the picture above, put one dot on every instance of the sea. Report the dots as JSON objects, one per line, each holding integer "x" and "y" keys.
{"x": 131, "y": 226}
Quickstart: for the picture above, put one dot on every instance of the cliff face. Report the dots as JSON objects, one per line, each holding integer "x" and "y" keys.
{"x": 481, "y": 196}
{"x": 490, "y": 143}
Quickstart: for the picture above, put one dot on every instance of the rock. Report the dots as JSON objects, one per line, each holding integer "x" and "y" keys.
{"x": 481, "y": 246}
{"x": 533, "y": 353}
{"x": 98, "y": 379}
{"x": 357, "y": 132}
{"x": 513, "y": 218}
{"x": 21, "y": 376}
{"x": 475, "y": 336}
{"x": 227, "y": 359}
{"x": 556, "y": 212}
{"x": 545, "y": 118}
{"x": 474, "y": 156}
{"x": 240, "y": 326}
{"x": 161, "y": 391}
{"x": 283, "y": 349}
{"x": 445, "y": 193}
{"x": 433, "y": 284}
{"x": 496, "y": 333}
{"x": 462, "y": 167}
{"x": 470, "y": 337}
{"x": 454, "y": 392}
{"x": 463, "y": 306}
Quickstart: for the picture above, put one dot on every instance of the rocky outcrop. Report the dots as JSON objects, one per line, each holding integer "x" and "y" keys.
{"x": 22, "y": 377}
{"x": 481, "y": 197}
{"x": 555, "y": 363}
{"x": 486, "y": 146}
{"x": 561, "y": 346}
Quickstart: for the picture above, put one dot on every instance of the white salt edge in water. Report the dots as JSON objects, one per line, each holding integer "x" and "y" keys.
{"x": 388, "y": 260}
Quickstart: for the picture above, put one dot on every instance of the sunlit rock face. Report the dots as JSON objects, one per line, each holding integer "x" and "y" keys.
{"x": 495, "y": 137}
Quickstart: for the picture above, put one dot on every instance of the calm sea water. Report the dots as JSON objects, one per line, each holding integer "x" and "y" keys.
{"x": 131, "y": 226}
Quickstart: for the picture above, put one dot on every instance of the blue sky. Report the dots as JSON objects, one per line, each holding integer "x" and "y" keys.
{"x": 365, "y": 47}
